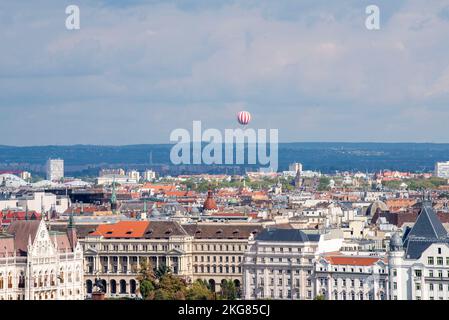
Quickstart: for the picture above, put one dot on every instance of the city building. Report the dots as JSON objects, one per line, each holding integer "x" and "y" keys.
{"x": 114, "y": 252}
{"x": 26, "y": 176}
{"x": 442, "y": 169}
{"x": 279, "y": 263}
{"x": 149, "y": 175}
{"x": 134, "y": 175}
{"x": 55, "y": 169}
{"x": 419, "y": 262}
{"x": 37, "y": 201}
{"x": 38, "y": 264}
{"x": 344, "y": 277}
{"x": 218, "y": 250}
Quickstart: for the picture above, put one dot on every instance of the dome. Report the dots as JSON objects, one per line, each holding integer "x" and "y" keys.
{"x": 376, "y": 205}
{"x": 210, "y": 203}
{"x": 395, "y": 242}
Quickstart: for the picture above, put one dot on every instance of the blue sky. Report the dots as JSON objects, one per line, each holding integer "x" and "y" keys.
{"x": 138, "y": 69}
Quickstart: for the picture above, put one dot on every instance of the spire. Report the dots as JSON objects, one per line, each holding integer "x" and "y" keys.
{"x": 113, "y": 197}
{"x": 71, "y": 224}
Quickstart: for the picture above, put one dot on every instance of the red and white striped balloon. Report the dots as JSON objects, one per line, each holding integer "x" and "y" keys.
{"x": 244, "y": 117}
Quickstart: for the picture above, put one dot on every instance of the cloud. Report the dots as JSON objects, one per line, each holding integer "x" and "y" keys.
{"x": 137, "y": 70}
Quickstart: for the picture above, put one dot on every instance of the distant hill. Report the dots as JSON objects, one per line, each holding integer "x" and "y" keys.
{"x": 325, "y": 157}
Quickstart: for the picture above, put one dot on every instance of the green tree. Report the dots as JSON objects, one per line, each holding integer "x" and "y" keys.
{"x": 320, "y": 297}
{"x": 199, "y": 290}
{"x": 146, "y": 287}
{"x": 146, "y": 279}
{"x": 161, "y": 271}
{"x": 228, "y": 290}
{"x": 323, "y": 184}
{"x": 170, "y": 287}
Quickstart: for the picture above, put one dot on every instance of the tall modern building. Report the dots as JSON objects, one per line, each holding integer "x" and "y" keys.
{"x": 442, "y": 169}
{"x": 55, "y": 169}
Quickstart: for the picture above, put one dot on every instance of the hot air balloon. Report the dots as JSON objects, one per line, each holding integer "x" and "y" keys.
{"x": 244, "y": 117}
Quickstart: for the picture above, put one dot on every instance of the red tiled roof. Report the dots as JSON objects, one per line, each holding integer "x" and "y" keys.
{"x": 122, "y": 229}
{"x": 351, "y": 260}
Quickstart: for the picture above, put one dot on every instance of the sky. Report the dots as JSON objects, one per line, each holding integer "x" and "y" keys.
{"x": 136, "y": 70}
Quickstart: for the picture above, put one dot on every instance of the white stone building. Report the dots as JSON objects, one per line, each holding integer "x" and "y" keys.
{"x": 342, "y": 277}
{"x": 37, "y": 201}
{"x": 419, "y": 263}
{"x": 36, "y": 264}
{"x": 280, "y": 262}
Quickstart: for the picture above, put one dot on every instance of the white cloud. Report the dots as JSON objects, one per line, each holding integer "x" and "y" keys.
{"x": 283, "y": 61}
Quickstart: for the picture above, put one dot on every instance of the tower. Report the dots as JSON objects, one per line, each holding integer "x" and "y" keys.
{"x": 396, "y": 255}
{"x": 113, "y": 198}
{"x": 71, "y": 231}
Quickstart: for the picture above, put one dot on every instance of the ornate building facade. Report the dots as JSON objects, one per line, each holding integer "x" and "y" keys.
{"x": 114, "y": 252}
{"x": 37, "y": 264}
{"x": 279, "y": 263}
{"x": 419, "y": 261}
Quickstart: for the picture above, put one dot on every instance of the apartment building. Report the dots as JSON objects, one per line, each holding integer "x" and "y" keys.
{"x": 113, "y": 253}
{"x": 344, "y": 277}
{"x": 218, "y": 250}
{"x": 280, "y": 263}
{"x": 419, "y": 261}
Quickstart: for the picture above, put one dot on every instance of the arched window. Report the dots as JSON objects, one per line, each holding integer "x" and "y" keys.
{"x": 89, "y": 286}
{"x": 1, "y": 281}
{"x": 122, "y": 286}
{"x": 9, "y": 280}
{"x": 40, "y": 279}
{"x": 132, "y": 286}
{"x": 21, "y": 280}
{"x": 61, "y": 275}
{"x": 52, "y": 278}
{"x": 113, "y": 286}
{"x": 46, "y": 279}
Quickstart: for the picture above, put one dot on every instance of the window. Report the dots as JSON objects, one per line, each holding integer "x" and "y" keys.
{"x": 439, "y": 250}
{"x": 440, "y": 287}
{"x": 395, "y": 285}
{"x": 430, "y": 260}
{"x": 418, "y": 273}
{"x": 417, "y": 286}
{"x": 431, "y": 286}
{"x": 431, "y": 273}
{"x": 440, "y": 261}
{"x": 395, "y": 273}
